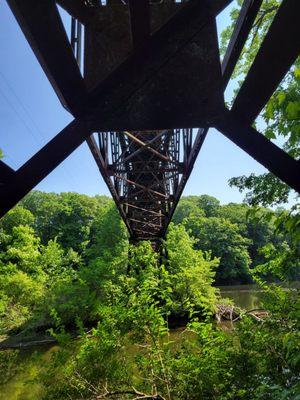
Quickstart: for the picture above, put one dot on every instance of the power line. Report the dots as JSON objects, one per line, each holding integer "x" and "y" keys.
{"x": 22, "y": 105}
{"x": 38, "y": 140}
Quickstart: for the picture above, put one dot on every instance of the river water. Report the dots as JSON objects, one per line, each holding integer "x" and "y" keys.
{"x": 245, "y": 296}
{"x": 22, "y": 386}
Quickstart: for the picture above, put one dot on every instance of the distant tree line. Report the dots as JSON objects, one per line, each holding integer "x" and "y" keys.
{"x": 231, "y": 232}
{"x": 64, "y": 270}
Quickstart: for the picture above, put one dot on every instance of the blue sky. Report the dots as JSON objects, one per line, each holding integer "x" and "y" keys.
{"x": 31, "y": 115}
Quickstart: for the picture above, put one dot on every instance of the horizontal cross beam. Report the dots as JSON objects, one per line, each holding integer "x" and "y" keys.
{"x": 145, "y": 232}
{"x": 144, "y": 210}
{"x": 146, "y": 146}
{"x": 145, "y": 188}
{"x": 145, "y": 223}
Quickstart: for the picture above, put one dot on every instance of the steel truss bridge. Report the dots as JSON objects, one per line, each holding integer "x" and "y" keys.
{"x": 139, "y": 76}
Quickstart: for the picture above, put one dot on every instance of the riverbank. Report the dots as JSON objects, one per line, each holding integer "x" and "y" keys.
{"x": 23, "y": 366}
{"x": 244, "y": 297}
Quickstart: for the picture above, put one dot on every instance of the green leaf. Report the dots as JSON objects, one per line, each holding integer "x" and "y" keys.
{"x": 281, "y": 97}
{"x": 270, "y": 134}
{"x": 297, "y": 73}
{"x": 293, "y": 110}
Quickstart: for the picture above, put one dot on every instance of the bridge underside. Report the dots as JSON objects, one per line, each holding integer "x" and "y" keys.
{"x": 144, "y": 82}
{"x": 146, "y": 172}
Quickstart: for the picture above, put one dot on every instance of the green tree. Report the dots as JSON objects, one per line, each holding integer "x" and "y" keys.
{"x": 191, "y": 273}
{"x": 259, "y": 230}
{"x": 109, "y": 236}
{"x": 75, "y": 220}
{"x": 280, "y": 116}
{"x": 15, "y": 217}
{"x": 44, "y": 207}
{"x": 56, "y": 262}
{"x": 22, "y": 251}
{"x": 209, "y": 205}
{"x": 21, "y": 278}
{"x": 66, "y": 216}
{"x": 186, "y": 207}
{"x": 235, "y": 213}
{"x": 222, "y": 238}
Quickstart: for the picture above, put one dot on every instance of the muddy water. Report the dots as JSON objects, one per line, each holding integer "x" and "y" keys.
{"x": 23, "y": 386}
{"x": 247, "y": 297}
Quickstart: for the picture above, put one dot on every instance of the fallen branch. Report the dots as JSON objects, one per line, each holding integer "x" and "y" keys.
{"x": 23, "y": 345}
{"x": 132, "y": 392}
{"x": 227, "y": 312}
{"x": 231, "y": 313}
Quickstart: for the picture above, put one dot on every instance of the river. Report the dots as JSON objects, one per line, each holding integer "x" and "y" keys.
{"x": 22, "y": 386}
{"x": 245, "y": 296}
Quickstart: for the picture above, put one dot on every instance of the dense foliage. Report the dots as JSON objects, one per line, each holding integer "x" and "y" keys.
{"x": 230, "y": 232}
{"x": 57, "y": 250}
{"x": 124, "y": 301}
{"x": 66, "y": 267}
{"x": 279, "y": 120}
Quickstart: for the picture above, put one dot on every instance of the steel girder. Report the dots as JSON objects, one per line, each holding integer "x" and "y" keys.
{"x": 151, "y": 74}
{"x": 144, "y": 172}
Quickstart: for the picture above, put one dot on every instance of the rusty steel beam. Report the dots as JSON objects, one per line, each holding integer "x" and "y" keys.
{"x": 151, "y": 104}
{"x": 7, "y": 174}
{"x": 143, "y": 187}
{"x": 173, "y": 44}
{"x": 145, "y": 146}
{"x": 42, "y": 163}
{"x": 103, "y": 170}
{"x": 145, "y": 223}
{"x": 80, "y": 9}
{"x": 145, "y": 210}
{"x": 139, "y": 21}
{"x": 261, "y": 149}
{"x": 276, "y": 55}
{"x": 44, "y": 30}
{"x": 179, "y": 168}
{"x": 149, "y": 173}
{"x": 76, "y": 44}
{"x": 243, "y": 26}
{"x": 145, "y": 232}
{"x": 199, "y": 140}
{"x": 148, "y": 143}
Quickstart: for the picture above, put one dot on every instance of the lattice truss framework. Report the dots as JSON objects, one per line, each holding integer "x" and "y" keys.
{"x": 144, "y": 171}
{"x": 138, "y": 82}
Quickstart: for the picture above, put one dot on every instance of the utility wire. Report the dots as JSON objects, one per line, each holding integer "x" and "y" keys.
{"x": 22, "y": 106}
{"x": 39, "y": 140}
{"x": 6, "y": 98}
